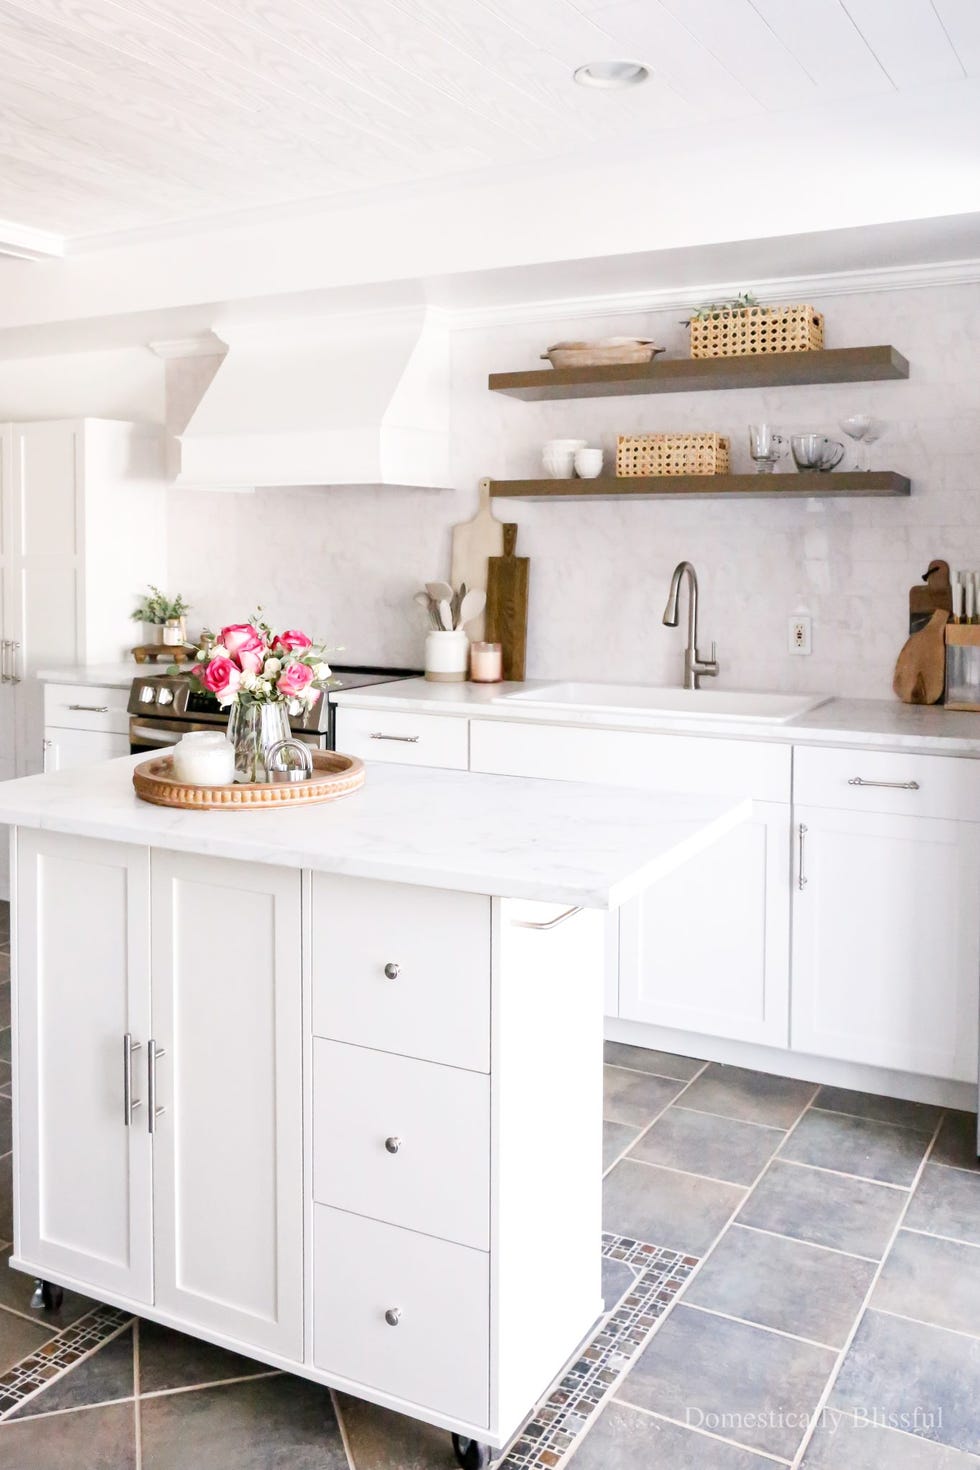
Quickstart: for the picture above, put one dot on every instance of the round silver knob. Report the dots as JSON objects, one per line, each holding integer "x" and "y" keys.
{"x": 393, "y": 1145}
{"x": 393, "y": 1316}
{"x": 392, "y": 971}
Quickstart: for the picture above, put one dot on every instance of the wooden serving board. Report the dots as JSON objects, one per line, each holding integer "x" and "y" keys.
{"x": 920, "y": 674}
{"x": 508, "y": 579}
{"x": 474, "y": 543}
{"x": 334, "y": 775}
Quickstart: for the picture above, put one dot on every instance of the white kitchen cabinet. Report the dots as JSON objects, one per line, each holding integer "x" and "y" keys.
{"x": 65, "y": 749}
{"x": 886, "y": 939}
{"x": 228, "y": 1147}
{"x": 189, "y": 1202}
{"x": 707, "y": 948}
{"x": 81, "y": 1026}
{"x": 403, "y": 739}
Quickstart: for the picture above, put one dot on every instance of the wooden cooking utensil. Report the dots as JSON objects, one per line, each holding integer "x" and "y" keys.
{"x": 508, "y": 578}
{"x": 920, "y": 674}
{"x": 474, "y": 542}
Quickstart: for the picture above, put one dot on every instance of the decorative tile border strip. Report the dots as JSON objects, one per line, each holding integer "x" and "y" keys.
{"x": 58, "y": 1355}
{"x": 608, "y": 1356}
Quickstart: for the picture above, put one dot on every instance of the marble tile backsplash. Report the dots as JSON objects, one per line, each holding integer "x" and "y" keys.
{"x": 346, "y": 561}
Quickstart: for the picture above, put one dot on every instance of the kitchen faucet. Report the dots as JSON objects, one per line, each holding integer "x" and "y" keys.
{"x": 694, "y": 664}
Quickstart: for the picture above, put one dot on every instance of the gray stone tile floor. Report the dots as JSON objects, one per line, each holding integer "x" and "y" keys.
{"x": 833, "y": 1322}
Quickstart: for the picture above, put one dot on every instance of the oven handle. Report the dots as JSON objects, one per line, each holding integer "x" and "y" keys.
{"x": 148, "y": 735}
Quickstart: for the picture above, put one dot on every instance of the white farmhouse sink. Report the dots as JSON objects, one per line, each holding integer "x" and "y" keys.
{"x": 705, "y": 704}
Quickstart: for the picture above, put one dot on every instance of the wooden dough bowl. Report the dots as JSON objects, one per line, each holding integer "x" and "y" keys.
{"x": 334, "y": 775}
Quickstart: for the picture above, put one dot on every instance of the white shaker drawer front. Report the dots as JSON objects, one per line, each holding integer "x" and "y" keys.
{"x": 85, "y": 707}
{"x": 402, "y": 969}
{"x": 404, "y": 739}
{"x": 693, "y": 765}
{"x": 402, "y": 1141}
{"x": 402, "y": 1313}
{"x": 887, "y": 782}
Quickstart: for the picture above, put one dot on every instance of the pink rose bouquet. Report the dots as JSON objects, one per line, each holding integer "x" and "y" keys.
{"x": 248, "y": 663}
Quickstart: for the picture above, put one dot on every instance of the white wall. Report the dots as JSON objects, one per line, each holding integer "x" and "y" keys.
{"x": 345, "y": 562}
{"x": 126, "y": 383}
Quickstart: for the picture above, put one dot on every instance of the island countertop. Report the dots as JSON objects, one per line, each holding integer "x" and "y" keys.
{"x": 512, "y": 837}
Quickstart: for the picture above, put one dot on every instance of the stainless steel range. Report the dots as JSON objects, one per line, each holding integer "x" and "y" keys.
{"x": 163, "y": 707}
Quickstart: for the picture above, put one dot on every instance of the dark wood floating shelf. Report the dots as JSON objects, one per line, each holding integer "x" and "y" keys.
{"x": 710, "y": 487}
{"x": 700, "y": 375}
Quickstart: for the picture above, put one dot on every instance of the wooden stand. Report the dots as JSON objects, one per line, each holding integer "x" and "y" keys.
{"x": 175, "y": 653}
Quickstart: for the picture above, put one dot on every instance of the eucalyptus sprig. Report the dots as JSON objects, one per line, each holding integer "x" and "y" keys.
{"x": 715, "y": 310}
{"x": 157, "y": 607}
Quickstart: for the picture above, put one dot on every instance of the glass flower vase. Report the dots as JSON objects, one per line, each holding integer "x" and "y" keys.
{"x": 253, "y": 729}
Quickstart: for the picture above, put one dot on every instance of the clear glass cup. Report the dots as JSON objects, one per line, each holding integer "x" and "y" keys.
{"x": 858, "y": 427}
{"x": 766, "y": 447}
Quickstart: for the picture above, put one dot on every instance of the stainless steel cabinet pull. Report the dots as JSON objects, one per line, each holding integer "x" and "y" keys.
{"x": 92, "y": 709}
{"x": 891, "y": 785}
{"x": 405, "y": 739}
{"x": 393, "y": 1316}
{"x": 393, "y": 1145}
{"x": 14, "y": 650}
{"x": 4, "y": 661}
{"x": 130, "y": 1104}
{"x": 801, "y": 876}
{"x": 392, "y": 971}
{"x": 549, "y": 924}
{"x": 152, "y": 1111}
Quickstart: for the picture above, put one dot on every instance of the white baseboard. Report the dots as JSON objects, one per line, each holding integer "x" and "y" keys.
{"x": 856, "y": 1075}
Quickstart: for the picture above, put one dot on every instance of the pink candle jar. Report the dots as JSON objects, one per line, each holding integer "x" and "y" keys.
{"x": 486, "y": 663}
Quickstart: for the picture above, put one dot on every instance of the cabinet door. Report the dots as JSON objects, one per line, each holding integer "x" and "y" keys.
{"x": 83, "y": 985}
{"x": 707, "y": 948}
{"x": 228, "y": 1145}
{"x": 886, "y": 941}
{"x": 66, "y": 749}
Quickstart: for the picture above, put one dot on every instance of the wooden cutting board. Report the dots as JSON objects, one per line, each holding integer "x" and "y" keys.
{"x": 937, "y": 594}
{"x": 474, "y": 542}
{"x": 920, "y": 674}
{"x": 508, "y": 579}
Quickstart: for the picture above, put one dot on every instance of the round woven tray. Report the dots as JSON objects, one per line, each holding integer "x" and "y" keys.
{"x": 334, "y": 775}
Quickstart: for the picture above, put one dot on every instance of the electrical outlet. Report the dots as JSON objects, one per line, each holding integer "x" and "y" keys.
{"x": 801, "y": 633}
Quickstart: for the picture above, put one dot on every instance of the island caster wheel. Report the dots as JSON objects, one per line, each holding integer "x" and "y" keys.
{"x": 470, "y": 1453}
{"x": 47, "y": 1297}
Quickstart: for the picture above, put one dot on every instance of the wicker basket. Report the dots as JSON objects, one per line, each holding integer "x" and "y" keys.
{"x": 752, "y": 329}
{"x": 671, "y": 454}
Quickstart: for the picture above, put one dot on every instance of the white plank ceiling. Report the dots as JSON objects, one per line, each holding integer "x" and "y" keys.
{"x": 118, "y": 115}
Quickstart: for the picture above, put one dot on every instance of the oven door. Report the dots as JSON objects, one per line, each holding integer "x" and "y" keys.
{"x": 149, "y": 735}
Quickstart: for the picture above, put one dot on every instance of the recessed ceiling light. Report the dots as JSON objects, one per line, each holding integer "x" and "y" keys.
{"x": 609, "y": 74}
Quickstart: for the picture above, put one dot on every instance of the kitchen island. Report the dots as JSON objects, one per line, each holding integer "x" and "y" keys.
{"x": 312, "y": 1084}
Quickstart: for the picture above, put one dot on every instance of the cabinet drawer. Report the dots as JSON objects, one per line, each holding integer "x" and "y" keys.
{"x": 403, "y": 1141}
{"x": 437, "y": 1355}
{"x": 404, "y": 739}
{"x": 402, "y": 969}
{"x": 694, "y": 765}
{"x": 887, "y": 782}
{"x": 83, "y": 707}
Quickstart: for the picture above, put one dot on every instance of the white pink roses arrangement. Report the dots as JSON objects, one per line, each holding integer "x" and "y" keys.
{"x": 249, "y": 663}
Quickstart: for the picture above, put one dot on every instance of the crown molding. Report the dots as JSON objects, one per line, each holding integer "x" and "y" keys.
{"x": 776, "y": 291}
{"x": 22, "y": 242}
{"x": 206, "y": 344}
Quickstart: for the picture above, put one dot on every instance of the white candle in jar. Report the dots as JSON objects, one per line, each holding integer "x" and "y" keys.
{"x": 486, "y": 663}
{"x": 204, "y": 758}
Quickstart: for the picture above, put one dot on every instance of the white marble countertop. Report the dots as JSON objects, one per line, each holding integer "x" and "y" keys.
{"x": 868, "y": 723}
{"x": 556, "y": 841}
{"x": 106, "y": 676}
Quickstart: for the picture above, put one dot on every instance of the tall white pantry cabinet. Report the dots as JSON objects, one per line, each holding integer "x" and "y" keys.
{"x": 82, "y": 534}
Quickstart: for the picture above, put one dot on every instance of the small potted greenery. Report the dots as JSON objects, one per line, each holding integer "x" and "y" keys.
{"x": 164, "y": 618}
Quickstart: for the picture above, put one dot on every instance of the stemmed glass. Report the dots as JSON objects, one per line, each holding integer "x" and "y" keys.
{"x": 765, "y": 447}
{"x": 862, "y": 429}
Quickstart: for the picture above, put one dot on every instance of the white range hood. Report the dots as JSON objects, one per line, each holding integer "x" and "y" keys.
{"x": 324, "y": 401}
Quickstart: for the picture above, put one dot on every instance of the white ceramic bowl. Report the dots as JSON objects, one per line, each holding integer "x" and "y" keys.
{"x": 558, "y": 457}
{"x": 588, "y": 463}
